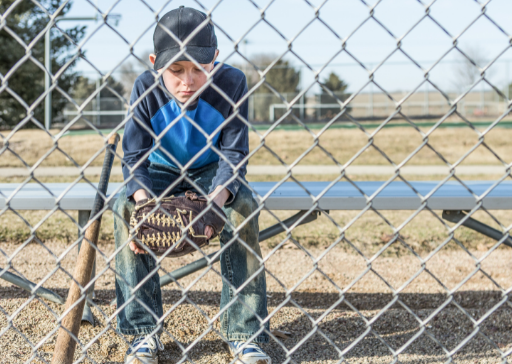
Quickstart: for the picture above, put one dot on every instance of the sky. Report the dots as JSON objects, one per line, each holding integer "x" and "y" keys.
{"x": 342, "y": 38}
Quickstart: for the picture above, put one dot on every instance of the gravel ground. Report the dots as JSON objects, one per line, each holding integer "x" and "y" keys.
{"x": 315, "y": 298}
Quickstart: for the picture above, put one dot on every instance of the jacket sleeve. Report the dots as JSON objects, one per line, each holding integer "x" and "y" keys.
{"x": 137, "y": 141}
{"x": 234, "y": 146}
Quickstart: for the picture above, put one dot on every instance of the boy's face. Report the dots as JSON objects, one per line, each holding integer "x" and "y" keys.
{"x": 182, "y": 79}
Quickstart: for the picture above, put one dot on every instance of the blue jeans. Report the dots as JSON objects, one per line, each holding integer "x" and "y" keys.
{"x": 242, "y": 318}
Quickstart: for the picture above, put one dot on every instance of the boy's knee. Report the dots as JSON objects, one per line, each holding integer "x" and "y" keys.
{"x": 122, "y": 211}
{"x": 123, "y": 207}
{"x": 241, "y": 212}
{"x": 244, "y": 203}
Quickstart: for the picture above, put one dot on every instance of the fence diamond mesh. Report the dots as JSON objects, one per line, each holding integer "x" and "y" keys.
{"x": 356, "y": 284}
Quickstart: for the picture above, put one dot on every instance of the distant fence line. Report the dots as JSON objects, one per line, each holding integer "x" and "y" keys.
{"x": 266, "y": 107}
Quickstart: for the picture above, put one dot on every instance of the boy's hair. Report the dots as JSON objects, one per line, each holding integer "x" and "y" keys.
{"x": 181, "y": 23}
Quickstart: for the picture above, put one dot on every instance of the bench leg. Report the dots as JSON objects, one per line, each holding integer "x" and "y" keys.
{"x": 203, "y": 262}
{"x": 29, "y": 286}
{"x": 457, "y": 215}
{"x": 83, "y": 218}
{"x": 264, "y": 235}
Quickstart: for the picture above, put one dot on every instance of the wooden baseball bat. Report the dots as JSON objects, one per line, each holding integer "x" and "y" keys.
{"x": 65, "y": 346}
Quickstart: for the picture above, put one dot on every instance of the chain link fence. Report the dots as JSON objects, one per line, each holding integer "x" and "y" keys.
{"x": 365, "y": 285}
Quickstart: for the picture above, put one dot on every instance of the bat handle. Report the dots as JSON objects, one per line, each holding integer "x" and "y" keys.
{"x": 70, "y": 326}
{"x": 105, "y": 174}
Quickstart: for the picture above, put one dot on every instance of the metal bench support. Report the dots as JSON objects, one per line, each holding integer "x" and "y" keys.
{"x": 456, "y": 215}
{"x": 264, "y": 235}
{"x": 83, "y": 218}
{"x": 29, "y": 286}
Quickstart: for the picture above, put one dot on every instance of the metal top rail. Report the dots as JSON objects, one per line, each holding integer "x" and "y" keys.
{"x": 291, "y": 196}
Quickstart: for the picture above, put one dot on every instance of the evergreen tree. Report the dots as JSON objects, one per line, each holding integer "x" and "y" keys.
{"x": 337, "y": 86}
{"x": 26, "y": 78}
{"x": 334, "y": 83}
{"x": 283, "y": 77}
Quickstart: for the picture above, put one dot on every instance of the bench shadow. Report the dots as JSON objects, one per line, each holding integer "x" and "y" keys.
{"x": 312, "y": 300}
{"x": 343, "y": 326}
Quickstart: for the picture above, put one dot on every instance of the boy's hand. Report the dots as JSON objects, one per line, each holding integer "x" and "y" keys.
{"x": 220, "y": 199}
{"x": 140, "y": 195}
{"x": 137, "y": 196}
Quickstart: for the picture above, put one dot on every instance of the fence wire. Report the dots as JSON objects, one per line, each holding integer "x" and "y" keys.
{"x": 327, "y": 334}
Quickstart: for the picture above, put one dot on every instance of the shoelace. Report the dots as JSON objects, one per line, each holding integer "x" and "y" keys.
{"x": 152, "y": 342}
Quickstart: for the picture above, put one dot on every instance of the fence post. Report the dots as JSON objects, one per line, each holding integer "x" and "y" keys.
{"x": 370, "y": 101}
{"x": 507, "y": 85}
{"x": 251, "y": 107}
{"x": 426, "y": 106}
{"x": 98, "y": 101}
{"x": 47, "y": 80}
{"x": 482, "y": 98}
{"x": 302, "y": 107}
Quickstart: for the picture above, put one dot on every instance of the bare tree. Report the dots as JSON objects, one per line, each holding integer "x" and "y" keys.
{"x": 130, "y": 70}
{"x": 468, "y": 69}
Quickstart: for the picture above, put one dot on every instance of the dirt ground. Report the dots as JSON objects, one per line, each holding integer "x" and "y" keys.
{"x": 332, "y": 300}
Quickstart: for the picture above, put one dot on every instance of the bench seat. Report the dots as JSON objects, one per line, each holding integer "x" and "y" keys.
{"x": 290, "y": 196}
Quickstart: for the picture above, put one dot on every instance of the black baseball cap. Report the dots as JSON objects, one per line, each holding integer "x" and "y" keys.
{"x": 182, "y": 22}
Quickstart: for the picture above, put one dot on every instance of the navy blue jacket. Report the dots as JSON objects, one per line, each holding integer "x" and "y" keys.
{"x": 154, "y": 110}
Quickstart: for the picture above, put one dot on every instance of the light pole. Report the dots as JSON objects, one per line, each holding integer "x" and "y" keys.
{"x": 48, "y": 61}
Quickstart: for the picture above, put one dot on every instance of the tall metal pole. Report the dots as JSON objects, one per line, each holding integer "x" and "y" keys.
{"x": 47, "y": 81}
{"x": 426, "y": 106}
{"x": 302, "y": 107}
{"x": 98, "y": 100}
{"x": 48, "y": 61}
{"x": 482, "y": 98}
{"x": 371, "y": 100}
{"x": 507, "y": 86}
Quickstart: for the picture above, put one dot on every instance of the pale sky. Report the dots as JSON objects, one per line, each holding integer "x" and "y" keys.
{"x": 369, "y": 42}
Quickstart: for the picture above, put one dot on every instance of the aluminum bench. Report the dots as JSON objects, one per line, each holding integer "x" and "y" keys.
{"x": 310, "y": 199}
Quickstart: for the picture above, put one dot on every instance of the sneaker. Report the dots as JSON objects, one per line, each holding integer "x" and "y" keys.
{"x": 144, "y": 350}
{"x": 250, "y": 354}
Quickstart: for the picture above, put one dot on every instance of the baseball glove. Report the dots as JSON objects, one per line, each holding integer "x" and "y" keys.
{"x": 160, "y": 232}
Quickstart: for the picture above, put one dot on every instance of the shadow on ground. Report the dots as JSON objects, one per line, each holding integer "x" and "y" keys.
{"x": 316, "y": 300}
{"x": 322, "y": 328}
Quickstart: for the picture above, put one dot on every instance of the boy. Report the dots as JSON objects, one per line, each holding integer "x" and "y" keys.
{"x": 157, "y": 170}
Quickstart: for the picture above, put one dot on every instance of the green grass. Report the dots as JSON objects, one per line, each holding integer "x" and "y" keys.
{"x": 344, "y": 125}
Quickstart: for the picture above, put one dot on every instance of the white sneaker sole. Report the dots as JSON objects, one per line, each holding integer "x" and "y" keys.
{"x": 250, "y": 360}
{"x": 139, "y": 360}
{"x": 254, "y": 361}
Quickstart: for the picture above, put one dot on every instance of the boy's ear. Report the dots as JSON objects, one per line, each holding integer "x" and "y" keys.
{"x": 152, "y": 58}
{"x": 216, "y": 55}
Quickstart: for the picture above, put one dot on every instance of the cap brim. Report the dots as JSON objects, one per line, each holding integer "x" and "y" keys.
{"x": 202, "y": 55}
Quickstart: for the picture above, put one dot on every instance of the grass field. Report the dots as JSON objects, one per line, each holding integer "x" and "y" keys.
{"x": 318, "y": 293}
{"x": 397, "y": 143}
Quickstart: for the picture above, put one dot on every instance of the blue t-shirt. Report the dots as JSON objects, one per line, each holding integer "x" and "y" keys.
{"x": 185, "y": 138}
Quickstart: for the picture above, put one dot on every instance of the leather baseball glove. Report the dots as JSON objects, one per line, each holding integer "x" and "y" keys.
{"x": 160, "y": 232}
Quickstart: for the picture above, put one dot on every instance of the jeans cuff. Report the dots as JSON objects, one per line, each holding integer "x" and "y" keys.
{"x": 260, "y": 339}
{"x": 146, "y": 330}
